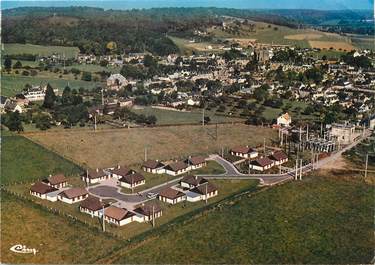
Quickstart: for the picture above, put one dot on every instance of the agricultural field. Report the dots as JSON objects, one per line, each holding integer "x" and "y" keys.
{"x": 336, "y": 45}
{"x": 57, "y": 239}
{"x": 329, "y": 220}
{"x": 105, "y": 148}
{"x": 16, "y": 48}
{"x": 13, "y": 84}
{"x": 167, "y": 116}
{"x": 274, "y": 34}
{"x": 23, "y": 160}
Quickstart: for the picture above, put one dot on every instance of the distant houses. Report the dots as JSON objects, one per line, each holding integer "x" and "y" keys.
{"x": 202, "y": 192}
{"x": 41, "y": 190}
{"x": 284, "y": 120}
{"x": 176, "y": 168}
{"x": 153, "y": 166}
{"x": 261, "y": 164}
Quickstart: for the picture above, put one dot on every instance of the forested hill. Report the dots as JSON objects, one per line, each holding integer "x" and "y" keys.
{"x": 91, "y": 29}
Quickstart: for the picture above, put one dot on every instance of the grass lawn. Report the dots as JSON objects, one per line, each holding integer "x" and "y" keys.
{"x": 165, "y": 116}
{"x": 95, "y": 68}
{"x": 23, "y": 160}
{"x": 106, "y": 148}
{"x": 318, "y": 220}
{"x": 16, "y": 48}
{"x": 57, "y": 239}
{"x": 13, "y": 84}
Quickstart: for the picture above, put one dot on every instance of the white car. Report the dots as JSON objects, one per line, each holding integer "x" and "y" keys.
{"x": 151, "y": 195}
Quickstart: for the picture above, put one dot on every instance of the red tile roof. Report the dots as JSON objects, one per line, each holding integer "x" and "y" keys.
{"x": 42, "y": 188}
{"x": 171, "y": 193}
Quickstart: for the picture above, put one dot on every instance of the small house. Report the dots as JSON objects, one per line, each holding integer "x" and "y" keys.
{"x": 284, "y": 120}
{"x": 92, "y": 206}
{"x": 120, "y": 172}
{"x": 148, "y": 212}
{"x": 176, "y": 168}
{"x": 279, "y": 157}
{"x": 191, "y": 181}
{"x": 95, "y": 176}
{"x": 41, "y": 190}
{"x": 244, "y": 152}
{"x": 73, "y": 195}
{"x": 196, "y": 162}
{"x": 171, "y": 196}
{"x": 118, "y": 216}
{"x": 132, "y": 180}
{"x": 57, "y": 181}
{"x": 202, "y": 192}
{"x": 261, "y": 164}
{"x": 153, "y": 166}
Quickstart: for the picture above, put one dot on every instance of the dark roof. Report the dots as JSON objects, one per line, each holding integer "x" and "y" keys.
{"x": 132, "y": 178}
{"x": 152, "y": 164}
{"x": 202, "y": 188}
{"x": 94, "y": 174}
{"x": 117, "y": 213}
{"x": 146, "y": 209}
{"x": 278, "y": 156}
{"x": 196, "y": 160}
{"x": 243, "y": 149}
{"x": 73, "y": 193}
{"x": 42, "y": 188}
{"x": 92, "y": 203}
{"x": 264, "y": 161}
{"x": 122, "y": 171}
{"x": 171, "y": 193}
{"x": 194, "y": 180}
{"x": 177, "y": 166}
{"x": 57, "y": 179}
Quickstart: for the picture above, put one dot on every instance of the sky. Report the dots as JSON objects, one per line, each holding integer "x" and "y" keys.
{"x": 256, "y": 4}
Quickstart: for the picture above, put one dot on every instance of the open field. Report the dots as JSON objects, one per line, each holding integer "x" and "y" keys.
{"x": 307, "y": 36}
{"x": 187, "y": 47}
{"x": 16, "y": 48}
{"x": 23, "y": 160}
{"x": 336, "y": 45}
{"x": 326, "y": 221}
{"x": 12, "y": 84}
{"x": 57, "y": 239}
{"x": 165, "y": 116}
{"x": 105, "y": 148}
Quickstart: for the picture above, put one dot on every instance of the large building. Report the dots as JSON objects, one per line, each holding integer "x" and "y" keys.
{"x": 343, "y": 133}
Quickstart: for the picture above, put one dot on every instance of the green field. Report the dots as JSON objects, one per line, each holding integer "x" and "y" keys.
{"x": 318, "y": 220}
{"x": 166, "y": 116}
{"x": 57, "y": 239}
{"x": 13, "y": 84}
{"x": 23, "y": 160}
{"x": 16, "y": 48}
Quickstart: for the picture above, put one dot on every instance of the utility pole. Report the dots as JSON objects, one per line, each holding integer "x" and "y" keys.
{"x": 307, "y": 132}
{"x": 300, "y": 170}
{"x": 296, "y": 173}
{"x": 203, "y": 118}
{"x": 264, "y": 146}
{"x": 222, "y": 152}
{"x": 87, "y": 177}
{"x": 216, "y": 132}
{"x": 206, "y": 191}
{"x": 102, "y": 98}
{"x": 366, "y": 167}
{"x": 103, "y": 215}
{"x": 95, "y": 122}
{"x": 145, "y": 153}
{"x": 153, "y": 216}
